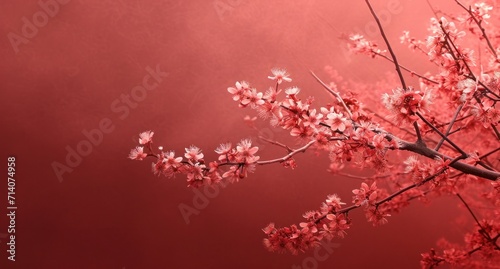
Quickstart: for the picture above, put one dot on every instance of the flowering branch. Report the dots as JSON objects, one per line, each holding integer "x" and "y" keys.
{"x": 289, "y": 155}
{"x": 478, "y": 22}
{"x": 452, "y": 101}
{"x": 335, "y": 94}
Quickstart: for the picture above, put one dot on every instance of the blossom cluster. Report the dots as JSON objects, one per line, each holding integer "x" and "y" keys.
{"x": 360, "y": 45}
{"x": 342, "y": 128}
{"x": 483, "y": 241}
{"x": 240, "y": 160}
{"x": 404, "y": 104}
{"x": 325, "y": 224}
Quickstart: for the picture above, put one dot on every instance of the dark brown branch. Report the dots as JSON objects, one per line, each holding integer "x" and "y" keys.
{"x": 442, "y": 135}
{"x": 407, "y": 188}
{"x": 463, "y": 167}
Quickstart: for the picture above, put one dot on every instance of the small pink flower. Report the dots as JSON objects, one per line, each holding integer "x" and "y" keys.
{"x": 193, "y": 153}
{"x": 481, "y": 11}
{"x": 312, "y": 119}
{"x": 271, "y": 94}
{"x": 333, "y": 200}
{"x": 245, "y": 148}
{"x": 376, "y": 216}
{"x": 403, "y": 104}
{"x": 269, "y": 228}
{"x": 195, "y": 176}
{"x": 358, "y": 44}
{"x": 223, "y": 148}
{"x": 365, "y": 195}
{"x": 292, "y": 91}
{"x": 160, "y": 166}
{"x": 253, "y": 98}
{"x": 171, "y": 160}
{"x": 137, "y": 154}
{"x": 234, "y": 174}
{"x": 336, "y": 121}
{"x": 279, "y": 75}
{"x": 239, "y": 91}
{"x": 146, "y": 137}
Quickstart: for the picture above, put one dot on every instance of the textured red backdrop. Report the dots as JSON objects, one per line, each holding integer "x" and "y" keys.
{"x": 64, "y": 72}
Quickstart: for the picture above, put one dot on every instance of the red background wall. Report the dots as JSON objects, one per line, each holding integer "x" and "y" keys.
{"x": 110, "y": 212}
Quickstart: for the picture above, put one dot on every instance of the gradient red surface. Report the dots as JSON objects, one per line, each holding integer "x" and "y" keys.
{"x": 63, "y": 79}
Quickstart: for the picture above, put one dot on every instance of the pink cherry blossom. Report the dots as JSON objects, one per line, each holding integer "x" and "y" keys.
{"x": 137, "y": 153}
{"x": 146, "y": 137}
{"x": 360, "y": 45}
{"x": 312, "y": 119}
{"x": 234, "y": 174}
{"x": 160, "y": 166}
{"x": 292, "y": 91}
{"x": 193, "y": 153}
{"x": 171, "y": 160}
{"x": 239, "y": 92}
{"x": 336, "y": 121}
{"x": 365, "y": 195}
{"x": 403, "y": 105}
{"x": 245, "y": 149}
{"x": 271, "y": 94}
{"x": 279, "y": 75}
{"x": 196, "y": 176}
{"x": 223, "y": 148}
{"x": 253, "y": 98}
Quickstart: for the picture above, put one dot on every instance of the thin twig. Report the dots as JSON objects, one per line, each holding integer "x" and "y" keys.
{"x": 470, "y": 211}
{"x": 334, "y": 93}
{"x": 442, "y": 135}
{"x": 483, "y": 31}
{"x": 449, "y": 127}
{"x": 289, "y": 155}
{"x": 276, "y": 143}
{"x": 400, "y": 74}
{"x": 406, "y": 69}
